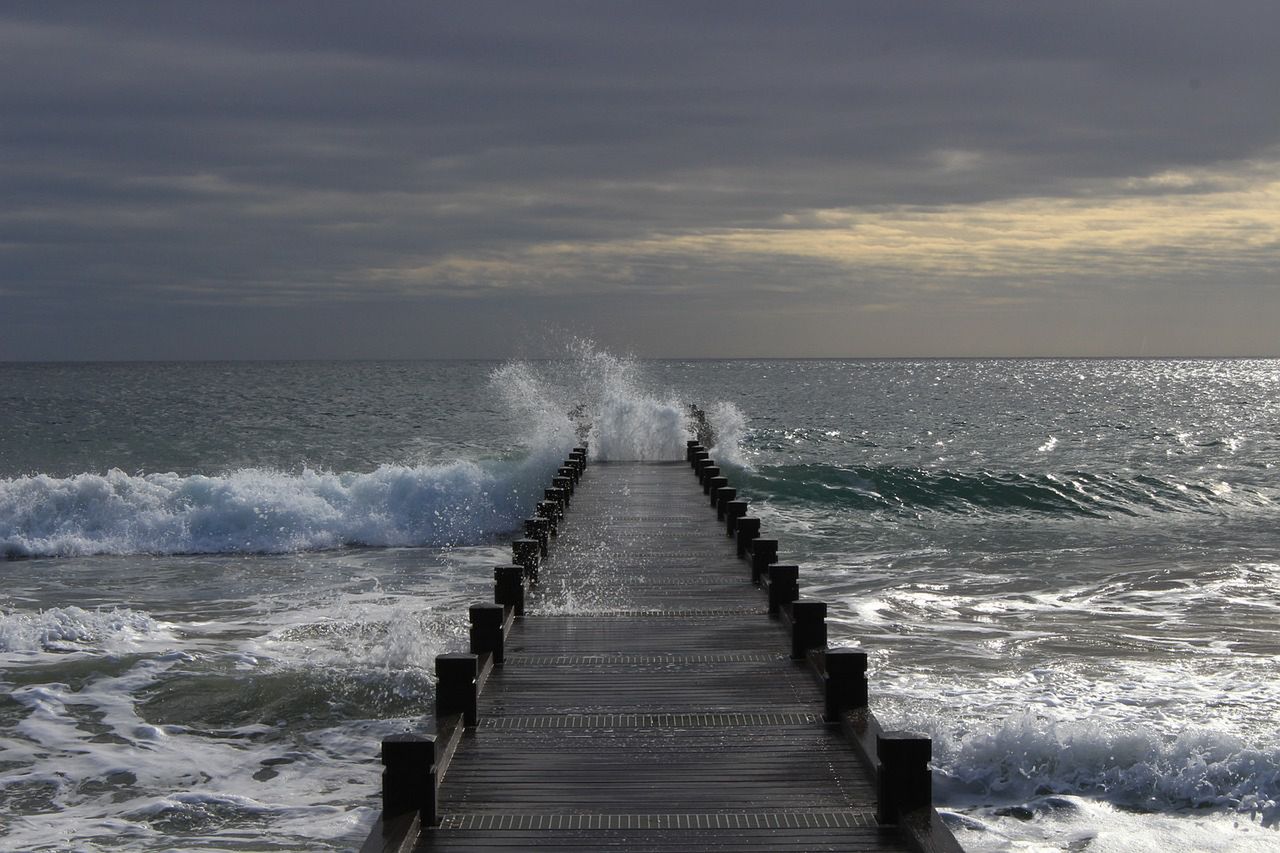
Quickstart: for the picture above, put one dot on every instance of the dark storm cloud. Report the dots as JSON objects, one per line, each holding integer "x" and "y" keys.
{"x": 158, "y": 157}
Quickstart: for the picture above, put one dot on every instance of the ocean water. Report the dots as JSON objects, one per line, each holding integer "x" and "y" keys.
{"x": 228, "y": 581}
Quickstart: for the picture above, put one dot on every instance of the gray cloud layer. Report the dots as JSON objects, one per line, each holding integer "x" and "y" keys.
{"x": 191, "y": 179}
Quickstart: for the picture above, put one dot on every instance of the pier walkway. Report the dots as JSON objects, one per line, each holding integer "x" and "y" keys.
{"x": 663, "y": 707}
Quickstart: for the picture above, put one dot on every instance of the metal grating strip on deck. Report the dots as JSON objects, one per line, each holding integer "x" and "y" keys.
{"x": 647, "y": 721}
{"x": 679, "y": 821}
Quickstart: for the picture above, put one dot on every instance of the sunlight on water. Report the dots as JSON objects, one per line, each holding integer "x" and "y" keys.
{"x": 1063, "y": 571}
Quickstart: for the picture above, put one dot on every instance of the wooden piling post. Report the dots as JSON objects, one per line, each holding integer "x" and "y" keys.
{"x": 558, "y": 497}
{"x": 764, "y": 552}
{"x": 808, "y": 626}
{"x": 546, "y": 510}
{"x": 784, "y": 586}
{"x": 569, "y": 473}
{"x": 701, "y": 464}
{"x": 710, "y": 485}
{"x": 565, "y": 485}
{"x": 526, "y": 553}
{"x": 746, "y": 529}
{"x": 845, "y": 681}
{"x": 689, "y": 448}
{"x": 456, "y": 686}
{"x": 538, "y": 529}
{"x": 409, "y": 776}
{"x": 508, "y": 587}
{"x": 733, "y": 510}
{"x": 720, "y": 498}
{"x": 486, "y": 631}
{"x": 904, "y": 782}
{"x": 708, "y": 473}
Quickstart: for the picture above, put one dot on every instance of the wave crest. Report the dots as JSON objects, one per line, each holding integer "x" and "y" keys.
{"x": 1029, "y": 756}
{"x": 255, "y": 510}
{"x": 1072, "y": 493}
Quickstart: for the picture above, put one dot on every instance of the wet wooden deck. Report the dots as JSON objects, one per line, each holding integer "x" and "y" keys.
{"x": 648, "y": 701}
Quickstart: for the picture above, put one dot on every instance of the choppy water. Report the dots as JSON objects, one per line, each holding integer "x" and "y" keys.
{"x": 232, "y": 578}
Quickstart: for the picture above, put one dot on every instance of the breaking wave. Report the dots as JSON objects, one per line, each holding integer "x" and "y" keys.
{"x": 260, "y": 511}
{"x": 1029, "y": 757}
{"x": 591, "y": 395}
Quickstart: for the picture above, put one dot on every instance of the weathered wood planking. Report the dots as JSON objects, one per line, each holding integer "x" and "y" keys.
{"x": 648, "y": 701}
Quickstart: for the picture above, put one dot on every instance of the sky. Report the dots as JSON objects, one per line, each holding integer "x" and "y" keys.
{"x": 200, "y": 180}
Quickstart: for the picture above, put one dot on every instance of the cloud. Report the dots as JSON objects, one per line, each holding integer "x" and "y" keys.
{"x": 873, "y": 156}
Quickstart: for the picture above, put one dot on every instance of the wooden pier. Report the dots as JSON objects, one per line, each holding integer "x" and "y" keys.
{"x": 685, "y": 700}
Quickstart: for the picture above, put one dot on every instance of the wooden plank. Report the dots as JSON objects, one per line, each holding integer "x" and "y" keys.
{"x": 659, "y": 709}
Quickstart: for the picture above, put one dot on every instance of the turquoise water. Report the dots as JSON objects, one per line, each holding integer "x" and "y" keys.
{"x": 229, "y": 580}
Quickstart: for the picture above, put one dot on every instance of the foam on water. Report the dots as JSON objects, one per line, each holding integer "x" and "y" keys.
{"x": 74, "y": 629}
{"x": 591, "y": 394}
{"x": 1054, "y": 823}
{"x": 259, "y": 511}
{"x": 120, "y": 777}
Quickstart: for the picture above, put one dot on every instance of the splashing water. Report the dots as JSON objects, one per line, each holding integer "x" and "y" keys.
{"x": 256, "y": 510}
{"x": 627, "y": 420}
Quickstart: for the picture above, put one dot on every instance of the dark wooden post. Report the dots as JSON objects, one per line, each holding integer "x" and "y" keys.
{"x": 581, "y": 451}
{"x": 700, "y": 458}
{"x": 508, "y": 587}
{"x": 746, "y": 529}
{"x": 565, "y": 485}
{"x": 547, "y": 511}
{"x": 784, "y": 586}
{"x": 569, "y": 473}
{"x": 409, "y": 776}
{"x": 557, "y": 496}
{"x": 692, "y": 453}
{"x": 456, "y": 686}
{"x": 764, "y": 552}
{"x": 701, "y": 464}
{"x": 689, "y": 447}
{"x": 846, "y": 681}
{"x": 708, "y": 473}
{"x": 808, "y": 626}
{"x": 711, "y": 484}
{"x": 721, "y": 498}
{"x": 904, "y": 780}
{"x": 537, "y": 528}
{"x": 733, "y": 510}
{"x": 486, "y": 631}
{"x": 526, "y": 553}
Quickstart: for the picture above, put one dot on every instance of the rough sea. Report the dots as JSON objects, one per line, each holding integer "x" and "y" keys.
{"x": 226, "y": 582}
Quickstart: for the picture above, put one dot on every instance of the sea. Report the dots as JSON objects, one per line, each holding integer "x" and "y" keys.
{"x": 222, "y": 584}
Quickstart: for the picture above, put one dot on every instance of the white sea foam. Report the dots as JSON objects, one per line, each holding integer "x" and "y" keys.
{"x": 608, "y": 398}
{"x": 120, "y": 776}
{"x": 1078, "y": 824}
{"x": 267, "y": 511}
{"x": 74, "y": 629}
{"x": 1063, "y": 741}
{"x": 255, "y": 510}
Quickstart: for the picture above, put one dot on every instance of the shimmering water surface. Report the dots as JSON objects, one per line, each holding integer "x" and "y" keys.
{"x": 229, "y": 580}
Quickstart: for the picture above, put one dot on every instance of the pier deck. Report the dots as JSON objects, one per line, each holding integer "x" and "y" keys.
{"x": 660, "y": 708}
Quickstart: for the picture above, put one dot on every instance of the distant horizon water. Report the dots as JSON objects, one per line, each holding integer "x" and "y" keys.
{"x": 229, "y": 578}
